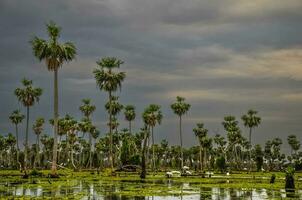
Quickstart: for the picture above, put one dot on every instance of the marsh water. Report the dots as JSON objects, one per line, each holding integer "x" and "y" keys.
{"x": 168, "y": 189}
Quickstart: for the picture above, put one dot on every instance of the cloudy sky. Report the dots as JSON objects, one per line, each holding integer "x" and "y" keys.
{"x": 223, "y": 56}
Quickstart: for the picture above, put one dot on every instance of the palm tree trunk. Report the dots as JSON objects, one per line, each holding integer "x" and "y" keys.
{"x": 56, "y": 116}
{"x": 153, "y": 155}
{"x": 200, "y": 158}
{"x": 148, "y": 149}
{"x": 90, "y": 152}
{"x": 180, "y": 135}
{"x": 26, "y": 140}
{"x": 59, "y": 145}
{"x": 204, "y": 158}
{"x": 39, "y": 162}
{"x": 18, "y": 149}
{"x": 130, "y": 127}
{"x": 144, "y": 172}
{"x": 250, "y": 145}
{"x": 72, "y": 159}
{"x": 110, "y": 132}
{"x": 37, "y": 151}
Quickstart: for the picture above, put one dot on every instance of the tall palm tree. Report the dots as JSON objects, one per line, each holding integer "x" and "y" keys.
{"x": 180, "y": 107}
{"x": 114, "y": 108}
{"x": 109, "y": 80}
{"x": 87, "y": 109}
{"x": 38, "y": 128}
{"x": 16, "y": 118}
{"x": 129, "y": 115}
{"x": 201, "y": 134}
{"x": 54, "y": 54}
{"x": 152, "y": 116}
{"x": 28, "y": 96}
{"x": 251, "y": 120}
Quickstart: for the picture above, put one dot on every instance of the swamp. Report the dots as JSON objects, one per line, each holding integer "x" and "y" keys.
{"x": 144, "y": 100}
{"x": 125, "y": 185}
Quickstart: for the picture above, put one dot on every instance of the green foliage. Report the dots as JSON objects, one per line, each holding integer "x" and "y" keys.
{"x": 86, "y": 108}
{"x": 135, "y": 159}
{"x": 125, "y": 152}
{"x": 258, "y": 156}
{"x": 289, "y": 178}
{"x": 180, "y": 107}
{"x": 250, "y": 119}
{"x": 16, "y": 117}
{"x": 114, "y": 106}
{"x": 53, "y": 52}
{"x": 28, "y": 95}
{"x": 221, "y": 164}
{"x": 129, "y": 112}
{"x": 105, "y": 77}
{"x": 152, "y": 115}
{"x": 35, "y": 173}
{"x": 273, "y": 178}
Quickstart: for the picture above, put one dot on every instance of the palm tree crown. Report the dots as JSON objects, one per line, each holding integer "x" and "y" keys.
{"x": 54, "y": 53}
{"x": 129, "y": 112}
{"x": 106, "y": 78}
{"x": 152, "y": 115}
{"x": 86, "y": 108}
{"x": 200, "y": 132}
{"x": 180, "y": 107}
{"x": 29, "y": 94}
{"x": 38, "y": 126}
{"x": 250, "y": 119}
{"x": 114, "y": 105}
{"x": 16, "y": 117}
{"x": 231, "y": 126}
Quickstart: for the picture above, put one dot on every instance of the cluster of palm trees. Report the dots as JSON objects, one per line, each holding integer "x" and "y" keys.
{"x": 76, "y": 143}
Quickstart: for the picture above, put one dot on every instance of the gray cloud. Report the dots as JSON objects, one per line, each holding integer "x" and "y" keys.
{"x": 224, "y": 56}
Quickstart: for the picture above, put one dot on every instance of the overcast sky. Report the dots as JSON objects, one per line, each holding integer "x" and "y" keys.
{"x": 225, "y": 57}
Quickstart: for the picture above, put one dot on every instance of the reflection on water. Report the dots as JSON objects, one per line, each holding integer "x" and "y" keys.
{"x": 110, "y": 190}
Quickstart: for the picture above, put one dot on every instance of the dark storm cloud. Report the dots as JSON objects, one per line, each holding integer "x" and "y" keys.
{"x": 224, "y": 56}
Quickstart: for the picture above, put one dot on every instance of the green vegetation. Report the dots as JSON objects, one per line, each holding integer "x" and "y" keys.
{"x": 156, "y": 185}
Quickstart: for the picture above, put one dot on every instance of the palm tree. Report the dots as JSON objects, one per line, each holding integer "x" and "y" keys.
{"x": 70, "y": 126}
{"x": 201, "y": 134}
{"x": 180, "y": 107}
{"x": 10, "y": 142}
{"x": 115, "y": 108}
{"x": 294, "y": 143}
{"x": 251, "y": 121}
{"x": 87, "y": 109}
{"x": 16, "y": 118}
{"x": 54, "y": 54}
{"x": 152, "y": 116}
{"x": 234, "y": 136}
{"x": 38, "y": 128}
{"x": 129, "y": 115}
{"x": 94, "y": 134}
{"x": 109, "y": 81}
{"x": 28, "y": 96}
